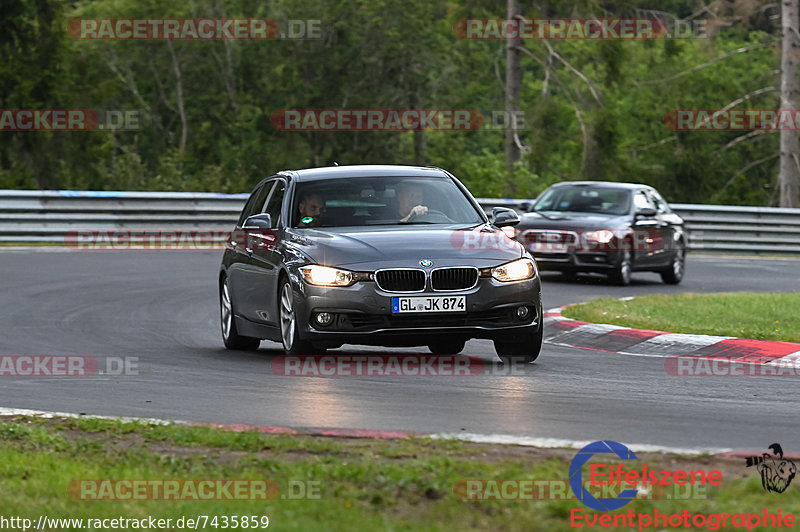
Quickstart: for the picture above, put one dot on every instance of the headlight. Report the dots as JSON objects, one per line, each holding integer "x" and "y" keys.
{"x": 603, "y": 236}
{"x": 517, "y": 270}
{"x": 326, "y": 276}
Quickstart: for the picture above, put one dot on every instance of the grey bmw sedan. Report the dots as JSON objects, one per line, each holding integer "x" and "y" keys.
{"x": 376, "y": 255}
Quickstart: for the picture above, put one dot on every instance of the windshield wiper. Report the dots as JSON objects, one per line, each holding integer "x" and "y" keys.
{"x": 541, "y": 213}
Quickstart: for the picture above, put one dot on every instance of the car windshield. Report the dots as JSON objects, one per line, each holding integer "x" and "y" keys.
{"x": 367, "y": 201}
{"x": 584, "y": 199}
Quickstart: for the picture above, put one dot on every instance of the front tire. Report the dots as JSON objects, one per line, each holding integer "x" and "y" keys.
{"x": 290, "y": 332}
{"x": 522, "y": 351}
{"x": 674, "y": 274}
{"x": 230, "y": 336}
{"x": 622, "y": 273}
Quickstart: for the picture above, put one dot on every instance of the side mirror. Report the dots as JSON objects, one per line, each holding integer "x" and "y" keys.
{"x": 258, "y": 221}
{"x": 646, "y": 212}
{"x": 503, "y": 217}
{"x": 525, "y": 206}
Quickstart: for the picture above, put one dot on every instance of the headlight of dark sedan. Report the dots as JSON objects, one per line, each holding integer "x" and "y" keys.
{"x": 327, "y": 276}
{"x": 517, "y": 270}
{"x": 602, "y": 236}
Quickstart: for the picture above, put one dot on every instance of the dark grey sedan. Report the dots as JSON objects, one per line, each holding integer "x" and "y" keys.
{"x": 378, "y": 255}
{"x": 605, "y": 227}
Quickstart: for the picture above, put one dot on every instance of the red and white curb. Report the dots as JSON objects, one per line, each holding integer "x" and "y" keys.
{"x": 567, "y": 332}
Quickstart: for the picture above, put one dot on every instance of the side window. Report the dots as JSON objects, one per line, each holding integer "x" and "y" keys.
{"x": 254, "y": 202}
{"x": 273, "y": 206}
{"x": 641, "y": 201}
{"x": 661, "y": 205}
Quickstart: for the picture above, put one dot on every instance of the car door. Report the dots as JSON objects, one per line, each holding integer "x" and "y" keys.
{"x": 264, "y": 261}
{"x": 671, "y": 227}
{"x": 240, "y": 272}
{"x": 647, "y": 231}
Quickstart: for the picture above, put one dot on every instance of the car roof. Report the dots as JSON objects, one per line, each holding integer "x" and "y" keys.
{"x": 364, "y": 170}
{"x": 609, "y": 184}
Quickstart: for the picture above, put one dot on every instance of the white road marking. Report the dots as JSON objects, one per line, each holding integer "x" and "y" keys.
{"x": 551, "y": 443}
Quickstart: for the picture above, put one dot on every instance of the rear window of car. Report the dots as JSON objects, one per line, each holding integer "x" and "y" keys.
{"x": 585, "y": 199}
{"x": 367, "y": 201}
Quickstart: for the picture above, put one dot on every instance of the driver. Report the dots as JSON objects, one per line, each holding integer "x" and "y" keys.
{"x": 311, "y": 207}
{"x": 409, "y": 201}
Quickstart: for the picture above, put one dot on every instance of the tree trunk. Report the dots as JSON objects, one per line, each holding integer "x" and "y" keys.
{"x": 181, "y": 108}
{"x": 513, "y": 84}
{"x": 419, "y": 134}
{"x": 790, "y": 150}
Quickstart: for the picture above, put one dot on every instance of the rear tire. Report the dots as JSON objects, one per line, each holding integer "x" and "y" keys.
{"x": 674, "y": 273}
{"x": 447, "y": 347}
{"x": 230, "y": 336}
{"x": 520, "y": 352}
{"x": 290, "y": 332}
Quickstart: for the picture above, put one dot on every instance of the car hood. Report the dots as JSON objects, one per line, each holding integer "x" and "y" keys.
{"x": 570, "y": 220}
{"x": 393, "y": 246}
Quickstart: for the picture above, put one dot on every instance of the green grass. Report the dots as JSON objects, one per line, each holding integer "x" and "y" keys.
{"x": 364, "y": 484}
{"x": 744, "y": 315}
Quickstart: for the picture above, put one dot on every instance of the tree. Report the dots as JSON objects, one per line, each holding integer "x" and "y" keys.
{"x": 513, "y": 85}
{"x": 790, "y": 150}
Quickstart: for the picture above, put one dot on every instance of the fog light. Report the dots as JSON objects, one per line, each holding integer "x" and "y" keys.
{"x": 522, "y": 312}
{"x": 324, "y": 319}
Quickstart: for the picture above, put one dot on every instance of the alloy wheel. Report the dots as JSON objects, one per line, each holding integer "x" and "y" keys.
{"x": 625, "y": 269}
{"x": 287, "y": 317}
{"x": 226, "y": 311}
{"x": 678, "y": 263}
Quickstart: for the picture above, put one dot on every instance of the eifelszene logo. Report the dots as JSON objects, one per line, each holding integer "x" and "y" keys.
{"x": 616, "y": 475}
{"x": 576, "y": 476}
{"x": 776, "y": 471}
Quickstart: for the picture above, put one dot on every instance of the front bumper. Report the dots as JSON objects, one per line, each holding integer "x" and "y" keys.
{"x": 363, "y": 314}
{"x": 585, "y": 261}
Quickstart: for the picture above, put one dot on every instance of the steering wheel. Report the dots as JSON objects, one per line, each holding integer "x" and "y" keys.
{"x": 432, "y": 215}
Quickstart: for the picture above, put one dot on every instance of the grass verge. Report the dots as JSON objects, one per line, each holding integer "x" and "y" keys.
{"x": 744, "y": 315}
{"x": 363, "y": 484}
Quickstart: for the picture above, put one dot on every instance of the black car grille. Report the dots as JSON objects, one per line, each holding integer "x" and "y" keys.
{"x": 401, "y": 280}
{"x": 550, "y": 239}
{"x": 454, "y": 278}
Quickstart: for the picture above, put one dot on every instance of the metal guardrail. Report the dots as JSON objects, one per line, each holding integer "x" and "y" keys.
{"x": 47, "y": 216}
{"x": 726, "y": 228}
{"x": 736, "y": 229}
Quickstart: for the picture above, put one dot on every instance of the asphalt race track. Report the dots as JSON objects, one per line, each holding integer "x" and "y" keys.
{"x": 161, "y": 307}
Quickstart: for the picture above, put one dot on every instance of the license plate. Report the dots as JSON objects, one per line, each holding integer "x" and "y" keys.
{"x": 429, "y": 304}
{"x": 548, "y": 248}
